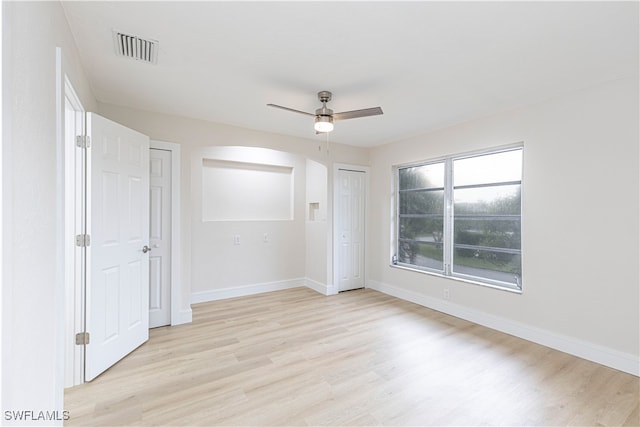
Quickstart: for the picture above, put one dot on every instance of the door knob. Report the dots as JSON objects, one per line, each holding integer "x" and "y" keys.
{"x": 145, "y": 249}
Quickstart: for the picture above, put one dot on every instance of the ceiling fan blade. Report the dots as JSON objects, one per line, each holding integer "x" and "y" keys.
{"x": 290, "y": 109}
{"x": 366, "y": 112}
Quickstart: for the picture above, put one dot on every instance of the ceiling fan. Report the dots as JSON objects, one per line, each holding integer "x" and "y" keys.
{"x": 324, "y": 116}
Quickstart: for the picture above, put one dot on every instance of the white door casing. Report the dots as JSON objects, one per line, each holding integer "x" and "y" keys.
{"x": 350, "y": 229}
{"x": 74, "y": 118}
{"x": 117, "y": 308}
{"x": 160, "y": 238}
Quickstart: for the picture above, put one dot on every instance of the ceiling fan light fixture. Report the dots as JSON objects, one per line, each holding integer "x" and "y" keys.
{"x": 323, "y": 124}
{"x": 324, "y": 116}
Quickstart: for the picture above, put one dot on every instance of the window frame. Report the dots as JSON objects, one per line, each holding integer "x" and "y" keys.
{"x": 448, "y": 239}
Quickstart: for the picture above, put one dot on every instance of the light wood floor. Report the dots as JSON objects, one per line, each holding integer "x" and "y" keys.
{"x": 359, "y": 358}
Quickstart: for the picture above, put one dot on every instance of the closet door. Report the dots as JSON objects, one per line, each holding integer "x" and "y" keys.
{"x": 350, "y": 224}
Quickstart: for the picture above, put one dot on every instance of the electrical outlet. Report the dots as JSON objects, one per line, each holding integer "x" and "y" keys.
{"x": 236, "y": 239}
{"x": 446, "y": 294}
{"x": 265, "y": 238}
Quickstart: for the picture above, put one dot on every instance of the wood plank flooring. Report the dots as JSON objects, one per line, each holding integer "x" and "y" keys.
{"x": 295, "y": 357}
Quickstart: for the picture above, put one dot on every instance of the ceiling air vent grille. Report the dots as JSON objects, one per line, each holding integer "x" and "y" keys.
{"x": 136, "y": 48}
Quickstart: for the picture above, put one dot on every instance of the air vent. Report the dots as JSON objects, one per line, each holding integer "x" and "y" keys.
{"x": 136, "y": 48}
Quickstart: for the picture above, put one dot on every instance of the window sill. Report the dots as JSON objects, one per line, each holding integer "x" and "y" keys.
{"x": 458, "y": 279}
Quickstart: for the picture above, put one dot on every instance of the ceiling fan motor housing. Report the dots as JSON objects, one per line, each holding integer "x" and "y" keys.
{"x": 324, "y": 111}
{"x": 324, "y": 96}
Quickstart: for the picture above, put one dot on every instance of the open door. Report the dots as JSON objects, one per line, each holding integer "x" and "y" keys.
{"x": 117, "y": 283}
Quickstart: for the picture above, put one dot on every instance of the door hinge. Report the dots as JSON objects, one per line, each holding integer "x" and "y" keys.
{"x": 83, "y": 141}
{"x": 82, "y": 338}
{"x": 83, "y": 240}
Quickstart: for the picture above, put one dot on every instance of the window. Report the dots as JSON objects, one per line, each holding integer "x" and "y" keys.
{"x": 421, "y": 215}
{"x": 461, "y": 217}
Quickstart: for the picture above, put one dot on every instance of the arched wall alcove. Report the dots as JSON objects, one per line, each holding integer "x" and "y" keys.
{"x": 259, "y": 222}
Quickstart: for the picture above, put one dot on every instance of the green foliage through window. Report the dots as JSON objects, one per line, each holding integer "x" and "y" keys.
{"x": 480, "y": 237}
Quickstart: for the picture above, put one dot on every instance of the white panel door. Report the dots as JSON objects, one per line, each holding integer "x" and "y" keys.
{"x": 160, "y": 238}
{"x": 117, "y": 310}
{"x": 350, "y": 222}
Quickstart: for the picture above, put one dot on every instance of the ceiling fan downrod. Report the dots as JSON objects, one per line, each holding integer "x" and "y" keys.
{"x": 324, "y": 96}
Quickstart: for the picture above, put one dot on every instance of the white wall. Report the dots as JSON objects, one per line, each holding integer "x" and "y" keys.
{"x": 219, "y": 264}
{"x": 237, "y": 190}
{"x": 580, "y": 223}
{"x": 32, "y": 288}
{"x": 317, "y": 231}
{"x": 197, "y": 138}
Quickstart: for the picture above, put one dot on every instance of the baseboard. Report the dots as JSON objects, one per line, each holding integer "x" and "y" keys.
{"x": 184, "y": 316}
{"x": 596, "y": 353}
{"x": 241, "y": 291}
{"x": 321, "y": 288}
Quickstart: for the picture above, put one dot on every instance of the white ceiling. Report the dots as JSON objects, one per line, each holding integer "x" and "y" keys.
{"x": 427, "y": 64}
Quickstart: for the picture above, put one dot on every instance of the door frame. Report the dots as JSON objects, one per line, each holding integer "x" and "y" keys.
{"x": 336, "y": 212}
{"x": 74, "y": 187}
{"x": 176, "y": 242}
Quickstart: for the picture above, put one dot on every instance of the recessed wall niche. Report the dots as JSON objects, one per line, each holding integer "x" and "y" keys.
{"x": 314, "y": 211}
{"x": 240, "y": 191}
